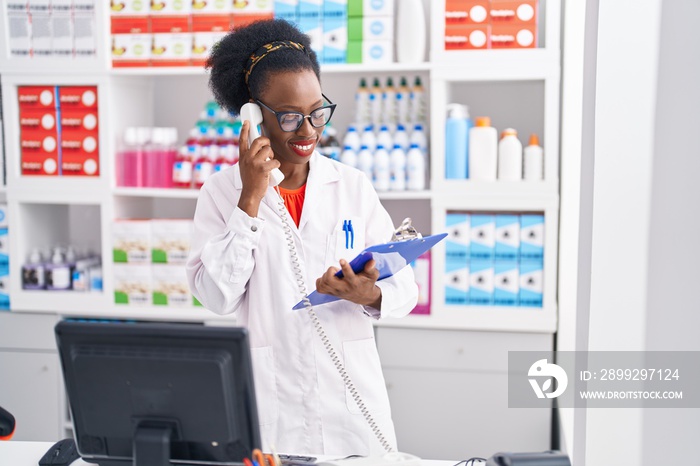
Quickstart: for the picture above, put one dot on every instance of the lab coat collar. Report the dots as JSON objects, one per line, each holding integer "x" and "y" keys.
{"x": 322, "y": 171}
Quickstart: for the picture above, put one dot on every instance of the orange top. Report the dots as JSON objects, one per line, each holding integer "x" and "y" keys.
{"x": 294, "y": 201}
{"x": 534, "y": 140}
{"x": 483, "y": 121}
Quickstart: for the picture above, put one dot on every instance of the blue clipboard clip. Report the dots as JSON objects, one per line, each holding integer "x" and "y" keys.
{"x": 389, "y": 257}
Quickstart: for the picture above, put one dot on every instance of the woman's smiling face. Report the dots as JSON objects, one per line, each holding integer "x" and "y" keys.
{"x": 292, "y": 91}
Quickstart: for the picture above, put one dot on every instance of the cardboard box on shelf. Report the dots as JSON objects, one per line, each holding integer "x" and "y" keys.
{"x": 467, "y": 11}
{"x": 421, "y": 270}
{"x": 170, "y": 286}
{"x": 513, "y": 36}
{"x": 371, "y": 8}
{"x": 467, "y": 37}
{"x": 36, "y": 119}
{"x": 131, "y": 41}
{"x": 483, "y": 237}
{"x": 481, "y": 283}
{"x": 371, "y": 28}
{"x": 335, "y": 39}
{"x": 39, "y": 97}
{"x": 19, "y": 33}
{"x": 456, "y": 280}
{"x": 78, "y": 119}
{"x": 531, "y": 283}
{"x": 171, "y": 7}
{"x": 245, "y": 7}
{"x": 125, "y": 8}
{"x": 170, "y": 240}
{"x": 242, "y": 20}
{"x": 374, "y": 52}
{"x": 171, "y": 41}
{"x": 506, "y": 283}
{"x": 207, "y": 30}
{"x": 39, "y": 153}
{"x": 131, "y": 241}
{"x": 79, "y": 153}
{"x": 77, "y": 97}
{"x": 513, "y": 11}
{"x": 133, "y": 284}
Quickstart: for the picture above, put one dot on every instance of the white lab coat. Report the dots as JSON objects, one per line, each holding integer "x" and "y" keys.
{"x": 241, "y": 264}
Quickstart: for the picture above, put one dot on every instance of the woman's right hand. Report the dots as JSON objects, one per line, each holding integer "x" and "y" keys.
{"x": 255, "y": 164}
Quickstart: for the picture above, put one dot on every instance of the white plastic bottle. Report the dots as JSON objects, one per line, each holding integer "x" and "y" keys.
{"x": 418, "y": 137}
{"x": 384, "y": 138}
{"x": 417, "y": 102}
{"x": 365, "y": 162}
{"x": 510, "y": 156}
{"x": 410, "y": 31}
{"x": 368, "y": 138}
{"x": 362, "y": 103}
{"x": 415, "y": 169}
{"x": 483, "y": 150}
{"x": 381, "y": 169}
{"x": 349, "y": 157}
{"x": 352, "y": 139}
{"x": 403, "y": 103}
{"x": 397, "y": 164}
{"x": 401, "y": 137}
{"x": 376, "y": 97}
{"x": 389, "y": 104}
{"x": 533, "y": 156}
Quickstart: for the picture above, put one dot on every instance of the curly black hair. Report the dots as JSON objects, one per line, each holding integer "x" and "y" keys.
{"x": 229, "y": 58}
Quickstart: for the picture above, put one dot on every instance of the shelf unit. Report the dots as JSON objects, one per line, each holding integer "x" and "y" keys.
{"x": 144, "y": 96}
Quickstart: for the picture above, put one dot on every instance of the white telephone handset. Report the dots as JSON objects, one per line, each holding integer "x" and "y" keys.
{"x": 253, "y": 114}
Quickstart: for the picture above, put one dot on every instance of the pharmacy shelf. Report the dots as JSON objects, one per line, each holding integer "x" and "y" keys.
{"x": 42, "y": 301}
{"x": 58, "y": 190}
{"x": 491, "y": 318}
{"x": 166, "y": 193}
{"x": 477, "y": 189}
{"x": 404, "y": 195}
{"x": 150, "y": 313}
{"x": 375, "y": 68}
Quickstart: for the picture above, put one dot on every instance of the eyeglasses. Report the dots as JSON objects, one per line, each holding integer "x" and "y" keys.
{"x": 292, "y": 121}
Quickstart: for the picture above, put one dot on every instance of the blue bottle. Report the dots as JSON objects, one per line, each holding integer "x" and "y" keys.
{"x": 457, "y": 142}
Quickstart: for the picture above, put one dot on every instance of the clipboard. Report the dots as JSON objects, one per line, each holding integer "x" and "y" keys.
{"x": 389, "y": 257}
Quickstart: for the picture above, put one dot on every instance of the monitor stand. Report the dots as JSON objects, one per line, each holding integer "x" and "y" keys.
{"x": 152, "y": 445}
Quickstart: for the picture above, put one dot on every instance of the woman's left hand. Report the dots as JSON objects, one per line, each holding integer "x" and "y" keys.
{"x": 359, "y": 288}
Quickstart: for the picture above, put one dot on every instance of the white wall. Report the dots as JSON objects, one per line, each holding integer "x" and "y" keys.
{"x": 637, "y": 270}
{"x": 673, "y": 301}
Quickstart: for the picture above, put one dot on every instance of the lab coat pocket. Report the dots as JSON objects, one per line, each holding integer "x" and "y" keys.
{"x": 346, "y": 241}
{"x": 265, "y": 384}
{"x": 363, "y": 367}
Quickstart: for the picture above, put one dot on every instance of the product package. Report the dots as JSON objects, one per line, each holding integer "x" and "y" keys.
{"x": 132, "y": 284}
{"x": 170, "y": 241}
{"x": 131, "y": 241}
{"x": 170, "y": 286}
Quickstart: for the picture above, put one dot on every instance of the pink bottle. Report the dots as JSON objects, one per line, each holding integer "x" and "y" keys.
{"x": 129, "y": 161}
{"x": 151, "y": 158}
{"x": 168, "y": 158}
{"x": 184, "y": 161}
{"x": 228, "y": 150}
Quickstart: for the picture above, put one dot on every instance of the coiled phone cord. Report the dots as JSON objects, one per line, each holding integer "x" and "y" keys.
{"x": 320, "y": 330}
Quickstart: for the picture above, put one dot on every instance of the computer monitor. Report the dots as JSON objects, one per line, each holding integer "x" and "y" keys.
{"x": 159, "y": 394}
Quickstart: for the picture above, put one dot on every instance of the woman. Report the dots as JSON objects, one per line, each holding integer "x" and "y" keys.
{"x": 241, "y": 258}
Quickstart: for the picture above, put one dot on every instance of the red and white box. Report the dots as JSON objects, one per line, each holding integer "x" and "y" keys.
{"x": 37, "y": 97}
{"x": 39, "y": 153}
{"x": 467, "y": 11}
{"x": 241, "y": 20}
{"x": 80, "y": 153}
{"x": 513, "y": 36}
{"x": 131, "y": 41}
{"x": 467, "y": 37}
{"x": 78, "y": 120}
{"x": 36, "y": 119}
{"x": 207, "y": 30}
{"x": 171, "y": 7}
{"x": 77, "y": 97}
{"x": 254, "y": 7}
{"x": 172, "y": 41}
{"x": 513, "y": 12}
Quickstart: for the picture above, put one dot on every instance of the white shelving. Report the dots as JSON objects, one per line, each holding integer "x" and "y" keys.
{"x": 522, "y": 84}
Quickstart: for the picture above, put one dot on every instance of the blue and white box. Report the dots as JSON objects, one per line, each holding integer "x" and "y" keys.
{"x": 457, "y": 241}
{"x": 310, "y": 9}
{"x": 531, "y": 284}
{"x": 483, "y": 237}
{"x": 3, "y": 216}
{"x": 4, "y": 287}
{"x": 481, "y": 283}
{"x": 507, "y": 237}
{"x": 371, "y": 8}
{"x": 531, "y": 237}
{"x": 371, "y": 28}
{"x": 335, "y": 39}
{"x": 371, "y": 51}
{"x": 506, "y": 283}
{"x": 4, "y": 248}
{"x": 287, "y": 9}
{"x": 312, "y": 26}
{"x": 335, "y": 8}
{"x": 456, "y": 283}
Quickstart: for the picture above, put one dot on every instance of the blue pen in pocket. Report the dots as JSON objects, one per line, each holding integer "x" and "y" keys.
{"x": 347, "y": 233}
{"x": 352, "y": 235}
